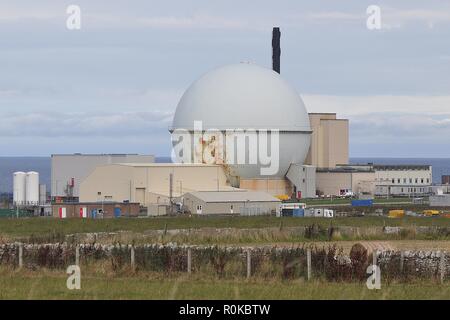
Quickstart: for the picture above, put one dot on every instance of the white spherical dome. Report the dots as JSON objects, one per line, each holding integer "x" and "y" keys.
{"x": 246, "y": 96}
{"x": 242, "y": 96}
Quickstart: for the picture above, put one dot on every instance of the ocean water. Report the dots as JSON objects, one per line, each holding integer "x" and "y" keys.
{"x": 8, "y": 165}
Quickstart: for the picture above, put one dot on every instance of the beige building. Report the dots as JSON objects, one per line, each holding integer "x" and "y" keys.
{"x": 329, "y": 140}
{"x": 150, "y": 183}
{"x": 240, "y": 202}
{"x": 341, "y": 181}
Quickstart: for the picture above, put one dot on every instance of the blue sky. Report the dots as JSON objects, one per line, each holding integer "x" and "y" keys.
{"x": 113, "y": 85}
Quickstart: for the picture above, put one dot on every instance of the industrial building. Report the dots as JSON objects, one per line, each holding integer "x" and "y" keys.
{"x": 241, "y": 135}
{"x": 329, "y": 140}
{"x": 150, "y": 183}
{"x": 69, "y": 170}
{"x": 343, "y": 181}
{"x": 402, "y": 180}
{"x": 445, "y": 179}
{"x": 231, "y": 202}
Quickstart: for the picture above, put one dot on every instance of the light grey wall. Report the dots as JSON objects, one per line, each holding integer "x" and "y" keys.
{"x": 440, "y": 201}
{"x": 242, "y": 208}
{"x": 304, "y": 179}
{"x": 66, "y": 167}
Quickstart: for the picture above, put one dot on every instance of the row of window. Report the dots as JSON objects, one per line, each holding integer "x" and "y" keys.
{"x": 405, "y": 180}
{"x": 413, "y": 190}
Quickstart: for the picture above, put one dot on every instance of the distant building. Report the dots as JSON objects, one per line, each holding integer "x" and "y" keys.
{"x": 69, "y": 170}
{"x": 446, "y": 179}
{"x": 402, "y": 180}
{"x": 329, "y": 141}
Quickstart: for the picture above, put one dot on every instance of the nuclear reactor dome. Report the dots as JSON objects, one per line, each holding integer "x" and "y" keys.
{"x": 249, "y": 100}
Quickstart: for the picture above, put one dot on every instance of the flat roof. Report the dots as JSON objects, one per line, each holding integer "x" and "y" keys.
{"x": 99, "y": 154}
{"x": 385, "y": 167}
{"x": 162, "y": 164}
{"x": 234, "y": 196}
{"x": 345, "y": 170}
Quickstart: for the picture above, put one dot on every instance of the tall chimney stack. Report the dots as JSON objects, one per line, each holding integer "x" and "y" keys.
{"x": 276, "y": 50}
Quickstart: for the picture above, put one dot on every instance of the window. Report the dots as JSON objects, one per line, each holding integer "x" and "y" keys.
{"x": 428, "y": 180}
{"x": 421, "y": 180}
{"x": 231, "y": 207}
{"x": 404, "y": 180}
{"x": 417, "y": 180}
{"x": 401, "y": 190}
{"x": 410, "y": 180}
{"x": 393, "y": 181}
{"x": 99, "y": 193}
{"x": 398, "y": 180}
{"x": 304, "y": 180}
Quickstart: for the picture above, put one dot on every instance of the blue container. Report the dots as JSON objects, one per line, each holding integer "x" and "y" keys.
{"x": 298, "y": 213}
{"x": 362, "y": 203}
{"x": 94, "y": 213}
{"x": 117, "y": 212}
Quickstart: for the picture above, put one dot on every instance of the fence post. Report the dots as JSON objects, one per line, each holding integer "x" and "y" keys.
{"x": 442, "y": 265}
{"x": 189, "y": 260}
{"x": 20, "y": 255}
{"x": 77, "y": 255}
{"x": 249, "y": 263}
{"x": 308, "y": 262}
{"x": 375, "y": 257}
{"x": 402, "y": 258}
{"x": 133, "y": 264}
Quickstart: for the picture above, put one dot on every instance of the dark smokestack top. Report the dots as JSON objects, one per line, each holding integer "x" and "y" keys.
{"x": 276, "y": 49}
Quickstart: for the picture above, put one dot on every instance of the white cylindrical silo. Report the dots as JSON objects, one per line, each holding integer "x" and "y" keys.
{"x": 32, "y": 188}
{"x": 19, "y": 182}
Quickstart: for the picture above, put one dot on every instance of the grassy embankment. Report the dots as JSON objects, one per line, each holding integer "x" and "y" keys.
{"x": 55, "y": 230}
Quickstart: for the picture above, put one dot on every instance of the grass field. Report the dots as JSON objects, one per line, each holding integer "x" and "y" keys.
{"x": 46, "y": 226}
{"x": 52, "y": 285}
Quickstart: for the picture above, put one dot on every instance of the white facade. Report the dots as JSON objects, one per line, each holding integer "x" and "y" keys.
{"x": 402, "y": 179}
{"x": 19, "y": 186}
